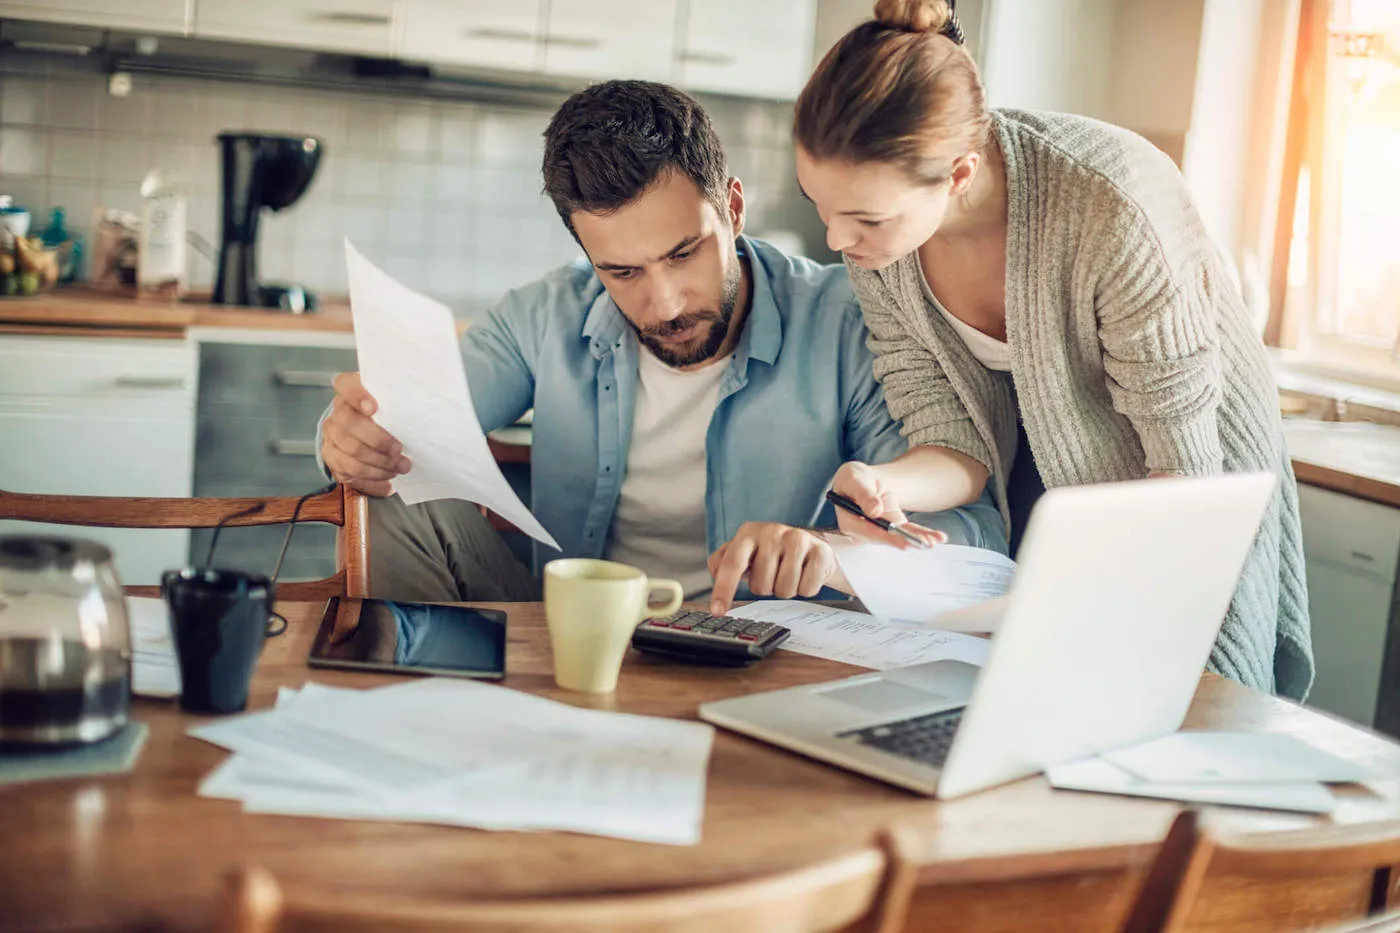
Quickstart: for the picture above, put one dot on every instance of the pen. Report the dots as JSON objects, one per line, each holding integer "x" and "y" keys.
{"x": 846, "y": 503}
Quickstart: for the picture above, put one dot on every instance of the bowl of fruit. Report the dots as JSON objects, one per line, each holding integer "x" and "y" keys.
{"x": 30, "y": 267}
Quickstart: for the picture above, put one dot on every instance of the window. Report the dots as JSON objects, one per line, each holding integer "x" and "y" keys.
{"x": 1343, "y": 297}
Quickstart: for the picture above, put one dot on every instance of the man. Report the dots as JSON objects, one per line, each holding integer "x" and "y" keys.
{"x": 668, "y": 374}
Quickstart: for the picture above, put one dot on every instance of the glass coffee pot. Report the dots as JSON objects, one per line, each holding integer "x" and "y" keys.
{"x": 65, "y": 649}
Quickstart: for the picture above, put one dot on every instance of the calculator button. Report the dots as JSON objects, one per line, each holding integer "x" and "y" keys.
{"x": 758, "y": 628}
{"x": 683, "y": 626}
{"x": 745, "y": 636}
{"x": 734, "y": 625}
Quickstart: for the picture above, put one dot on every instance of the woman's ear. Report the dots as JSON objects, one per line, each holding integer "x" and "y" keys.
{"x": 736, "y": 205}
{"x": 964, "y": 171}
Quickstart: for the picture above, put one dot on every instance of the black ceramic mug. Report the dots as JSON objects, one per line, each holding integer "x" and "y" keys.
{"x": 219, "y": 619}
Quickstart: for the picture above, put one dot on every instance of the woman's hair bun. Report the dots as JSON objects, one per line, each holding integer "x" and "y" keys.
{"x": 914, "y": 15}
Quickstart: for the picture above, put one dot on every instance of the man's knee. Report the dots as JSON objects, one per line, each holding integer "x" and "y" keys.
{"x": 425, "y": 524}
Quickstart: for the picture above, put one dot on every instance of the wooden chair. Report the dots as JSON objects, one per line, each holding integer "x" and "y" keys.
{"x": 341, "y": 506}
{"x": 1277, "y": 882}
{"x": 862, "y": 892}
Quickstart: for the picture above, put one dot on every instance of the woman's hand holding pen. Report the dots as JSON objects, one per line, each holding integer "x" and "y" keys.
{"x": 863, "y": 485}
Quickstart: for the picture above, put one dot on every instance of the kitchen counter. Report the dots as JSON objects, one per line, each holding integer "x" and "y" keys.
{"x": 1354, "y": 458}
{"x": 80, "y": 310}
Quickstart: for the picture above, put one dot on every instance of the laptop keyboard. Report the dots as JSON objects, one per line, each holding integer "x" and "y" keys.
{"x": 925, "y": 739}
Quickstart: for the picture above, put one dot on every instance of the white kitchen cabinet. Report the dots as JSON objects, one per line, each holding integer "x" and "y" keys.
{"x": 157, "y": 15}
{"x": 477, "y": 33}
{"x": 101, "y": 416}
{"x": 1352, "y": 548}
{"x": 360, "y": 26}
{"x": 740, "y": 47}
{"x": 611, "y": 39}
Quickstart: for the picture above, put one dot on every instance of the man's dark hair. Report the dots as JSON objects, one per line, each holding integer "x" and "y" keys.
{"x": 609, "y": 143}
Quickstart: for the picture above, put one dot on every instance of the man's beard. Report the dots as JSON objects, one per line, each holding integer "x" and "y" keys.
{"x": 709, "y": 344}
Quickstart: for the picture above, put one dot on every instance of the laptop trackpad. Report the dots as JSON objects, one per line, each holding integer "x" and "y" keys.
{"x": 882, "y": 696}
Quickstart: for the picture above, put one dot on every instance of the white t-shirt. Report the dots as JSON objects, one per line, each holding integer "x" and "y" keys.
{"x": 990, "y": 352}
{"x": 660, "y": 523}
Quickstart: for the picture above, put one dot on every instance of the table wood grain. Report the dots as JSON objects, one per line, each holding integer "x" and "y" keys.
{"x": 142, "y": 851}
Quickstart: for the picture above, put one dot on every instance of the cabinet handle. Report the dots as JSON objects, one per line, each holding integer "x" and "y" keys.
{"x": 706, "y": 58}
{"x": 305, "y": 377}
{"x": 506, "y": 35}
{"x": 150, "y": 382}
{"x": 350, "y": 18}
{"x": 285, "y": 447}
{"x": 574, "y": 42}
{"x": 1362, "y": 555}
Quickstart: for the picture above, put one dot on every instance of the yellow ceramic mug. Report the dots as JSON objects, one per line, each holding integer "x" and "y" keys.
{"x": 592, "y": 607}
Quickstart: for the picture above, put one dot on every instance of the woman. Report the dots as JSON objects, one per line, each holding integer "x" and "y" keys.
{"x": 1046, "y": 307}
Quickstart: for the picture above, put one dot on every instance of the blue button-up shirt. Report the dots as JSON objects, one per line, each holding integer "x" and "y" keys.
{"x": 797, "y": 401}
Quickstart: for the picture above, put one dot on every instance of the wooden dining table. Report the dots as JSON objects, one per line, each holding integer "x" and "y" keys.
{"x": 142, "y": 851}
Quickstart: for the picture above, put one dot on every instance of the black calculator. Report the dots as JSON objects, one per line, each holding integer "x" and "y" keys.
{"x": 700, "y": 638}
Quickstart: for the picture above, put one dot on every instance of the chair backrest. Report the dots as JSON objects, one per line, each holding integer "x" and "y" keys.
{"x": 859, "y": 891}
{"x": 341, "y": 506}
{"x": 1276, "y": 882}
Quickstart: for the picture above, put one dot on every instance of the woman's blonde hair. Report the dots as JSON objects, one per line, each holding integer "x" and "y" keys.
{"x": 900, "y": 89}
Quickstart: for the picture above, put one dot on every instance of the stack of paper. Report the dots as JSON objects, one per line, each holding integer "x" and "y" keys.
{"x": 461, "y": 753}
{"x": 856, "y": 638}
{"x": 155, "y": 672}
{"x": 1247, "y": 769}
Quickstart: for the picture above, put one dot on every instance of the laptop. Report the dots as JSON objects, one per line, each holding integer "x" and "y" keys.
{"x": 1119, "y": 593}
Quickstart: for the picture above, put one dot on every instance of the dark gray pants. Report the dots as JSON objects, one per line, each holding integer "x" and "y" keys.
{"x": 442, "y": 551}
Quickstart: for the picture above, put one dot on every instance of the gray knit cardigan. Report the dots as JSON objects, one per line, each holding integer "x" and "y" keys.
{"x": 1131, "y": 352}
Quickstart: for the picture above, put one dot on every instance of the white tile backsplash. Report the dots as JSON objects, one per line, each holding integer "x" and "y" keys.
{"x": 365, "y": 119}
{"x": 23, "y": 151}
{"x": 444, "y": 194}
{"x": 412, "y": 182}
{"x": 408, "y": 231}
{"x": 456, "y": 183}
{"x": 74, "y": 155}
{"x": 29, "y": 191}
{"x": 366, "y": 176}
{"x": 412, "y": 130}
{"x": 456, "y": 132}
{"x": 175, "y": 109}
{"x": 506, "y": 137}
{"x": 24, "y": 100}
{"x": 130, "y": 114}
{"x": 324, "y": 118}
{"x": 75, "y": 197}
{"x": 224, "y": 109}
{"x": 275, "y": 112}
{"x": 124, "y": 158}
{"x": 73, "y": 104}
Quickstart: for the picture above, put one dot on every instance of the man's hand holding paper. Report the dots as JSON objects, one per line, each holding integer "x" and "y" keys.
{"x": 406, "y": 423}
{"x": 358, "y": 452}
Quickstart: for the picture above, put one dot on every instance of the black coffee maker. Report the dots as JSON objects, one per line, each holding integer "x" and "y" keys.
{"x": 259, "y": 171}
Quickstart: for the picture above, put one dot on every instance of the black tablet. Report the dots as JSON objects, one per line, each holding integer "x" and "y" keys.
{"x": 411, "y": 638}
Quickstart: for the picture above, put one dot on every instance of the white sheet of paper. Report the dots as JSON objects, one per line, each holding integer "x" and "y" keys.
{"x": 856, "y": 638}
{"x": 980, "y": 617}
{"x": 272, "y": 734}
{"x": 410, "y": 362}
{"x": 531, "y": 763}
{"x": 921, "y": 585}
{"x": 417, "y": 724}
{"x": 155, "y": 671}
{"x": 1234, "y": 757}
{"x": 1100, "y": 776}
